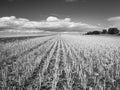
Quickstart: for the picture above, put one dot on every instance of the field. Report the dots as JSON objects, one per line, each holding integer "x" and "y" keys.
{"x": 60, "y": 62}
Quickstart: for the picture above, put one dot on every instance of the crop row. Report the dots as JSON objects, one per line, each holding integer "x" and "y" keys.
{"x": 96, "y": 61}
{"x": 14, "y": 71}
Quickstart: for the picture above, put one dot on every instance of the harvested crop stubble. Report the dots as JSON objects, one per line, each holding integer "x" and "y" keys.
{"x": 61, "y": 62}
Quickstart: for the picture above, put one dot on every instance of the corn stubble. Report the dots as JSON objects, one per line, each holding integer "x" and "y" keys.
{"x": 61, "y": 62}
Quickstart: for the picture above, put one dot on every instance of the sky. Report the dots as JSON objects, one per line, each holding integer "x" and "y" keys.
{"x": 73, "y": 15}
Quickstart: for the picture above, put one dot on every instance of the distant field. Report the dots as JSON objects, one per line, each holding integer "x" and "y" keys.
{"x": 60, "y": 62}
{"x": 20, "y": 34}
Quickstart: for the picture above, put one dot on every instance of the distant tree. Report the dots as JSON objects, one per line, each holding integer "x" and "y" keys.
{"x": 96, "y": 32}
{"x": 93, "y": 33}
{"x": 88, "y": 33}
{"x": 104, "y": 31}
{"x": 113, "y": 31}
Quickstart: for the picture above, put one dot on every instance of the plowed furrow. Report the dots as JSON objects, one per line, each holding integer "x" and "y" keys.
{"x": 38, "y": 69}
{"x": 56, "y": 68}
{"x": 50, "y": 71}
{"x": 13, "y": 59}
{"x": 77, "y": 70}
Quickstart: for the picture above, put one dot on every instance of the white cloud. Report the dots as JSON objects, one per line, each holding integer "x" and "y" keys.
{"x": 114, "y": 21}
{"x": 67, "y": 19}
{"x": 12, "y": 21}
{"x": 8, "y": 18}
{"x": 55, "y": 19}
{"x": 114, "y": 18}
{"x": 24, "y": 31}
{"x": 52, "y": 19}
{"x": 51, "y": 23}
{"x": 67, "y": 23}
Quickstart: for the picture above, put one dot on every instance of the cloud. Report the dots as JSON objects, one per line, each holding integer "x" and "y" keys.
{"x": 54, "y": 19}
{"x": 24, "y": 31}
{"x": 67, "y": 23}
{"x": 114, "y": 18}
{"x": 50, "y": 24}
{"x": 51, "y": 18}
{"x": 12, "y": 21}
{"x": 67, "y": 19}
{"x": 114, "y": 21}
{"x": 71, "y": 0}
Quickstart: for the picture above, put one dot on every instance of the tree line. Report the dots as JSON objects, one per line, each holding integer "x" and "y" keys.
{"x": 104, "y": 31}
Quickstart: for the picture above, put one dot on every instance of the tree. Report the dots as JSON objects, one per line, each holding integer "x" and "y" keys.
{"x": 93, "y": 33}
{"x": 113, "y": 31}
{"x": 104, "y": 31}
{"x": 88, "y": 33}
{"x": 96, "y": 32}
